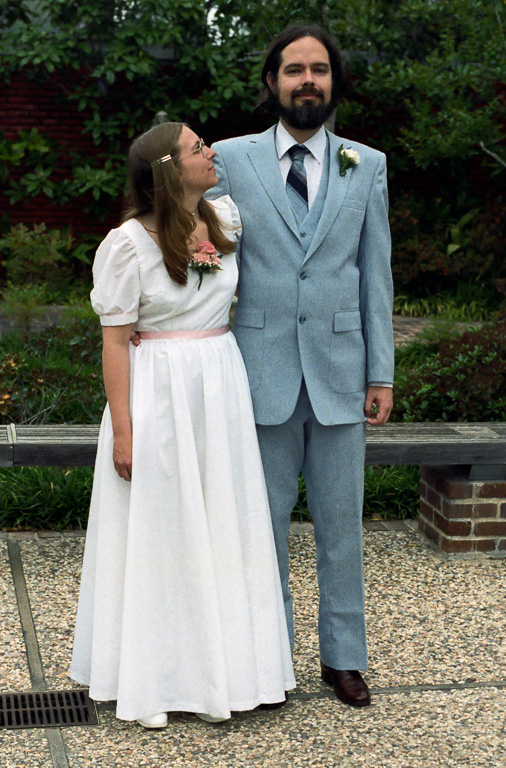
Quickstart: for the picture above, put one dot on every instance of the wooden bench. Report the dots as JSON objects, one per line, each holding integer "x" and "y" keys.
{"x": 462, "y": 490}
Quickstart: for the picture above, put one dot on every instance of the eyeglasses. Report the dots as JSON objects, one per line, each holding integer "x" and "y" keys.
{"x": 201, "y": 148}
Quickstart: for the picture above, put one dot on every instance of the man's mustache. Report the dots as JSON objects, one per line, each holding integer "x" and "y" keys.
{"x": 307, "y": 92}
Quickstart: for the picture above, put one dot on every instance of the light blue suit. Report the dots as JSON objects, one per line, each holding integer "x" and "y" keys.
{"x": 314, "y": 309}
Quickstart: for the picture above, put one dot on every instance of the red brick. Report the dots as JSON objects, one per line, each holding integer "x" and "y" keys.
{"x": 459, "y": 511}
{"x": 423, "y": 490}
{"x": 426, "y": 511}
{"x": 490, "y": 528}
{"x": 428, "y": 531}
{"x": 428, "y": 474}
{"x": 503, "y": 510}
{"x": 434, "y": 498}
{"x": 456, "y": 545}
{"x": 485, "y": 510}
{"x": 454, "y": 488}
{"x": 485, "y": 545}
{"x": 452, "y": 527}
{"x": 492, "y": 490}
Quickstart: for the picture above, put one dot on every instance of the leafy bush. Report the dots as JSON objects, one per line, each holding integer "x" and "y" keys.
{"x": 45, "y": 497}
{"x": 53, "y": 376}
{"x": 464, "y": 381}
{"x": 51, "y": 258}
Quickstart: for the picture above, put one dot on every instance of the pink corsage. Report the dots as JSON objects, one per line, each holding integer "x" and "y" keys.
{"x": 205, "y": 259}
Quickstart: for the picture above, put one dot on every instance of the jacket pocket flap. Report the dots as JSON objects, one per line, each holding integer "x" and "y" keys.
{"x": 347, "y": 320}
{"x": 249, "y": 317}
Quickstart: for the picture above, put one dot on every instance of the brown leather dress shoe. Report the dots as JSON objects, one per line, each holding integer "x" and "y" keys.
{"x": 350, "y": 686}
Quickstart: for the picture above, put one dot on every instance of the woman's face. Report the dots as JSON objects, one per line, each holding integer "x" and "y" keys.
{"x": 195, "y": 164}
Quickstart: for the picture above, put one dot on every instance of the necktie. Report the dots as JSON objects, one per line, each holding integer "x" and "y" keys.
{"x": 296, "y": 182}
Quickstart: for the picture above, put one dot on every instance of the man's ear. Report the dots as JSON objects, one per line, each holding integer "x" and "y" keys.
{"x": 271, "y": 80}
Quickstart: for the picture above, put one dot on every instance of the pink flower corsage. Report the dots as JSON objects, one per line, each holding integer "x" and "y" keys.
{"x": 205, "y": 259}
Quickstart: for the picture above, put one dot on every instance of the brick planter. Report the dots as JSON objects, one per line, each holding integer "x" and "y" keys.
{"x": 460, "y": 515}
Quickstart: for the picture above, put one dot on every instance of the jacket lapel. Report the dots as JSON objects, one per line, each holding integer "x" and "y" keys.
{"x": 336, "y": 192}
{"x": 264, "y": 160}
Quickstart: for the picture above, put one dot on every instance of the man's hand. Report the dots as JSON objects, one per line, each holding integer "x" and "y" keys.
{"x": 135, "y": 338}
{"x": 378, "y": 405}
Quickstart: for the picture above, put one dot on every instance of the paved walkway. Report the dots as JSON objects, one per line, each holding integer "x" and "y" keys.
{"x": 437, "y": 630}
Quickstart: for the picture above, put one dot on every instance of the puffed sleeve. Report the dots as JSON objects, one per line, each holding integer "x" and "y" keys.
{"x": 228, "y": 212}
{"x": 117, "y": 288}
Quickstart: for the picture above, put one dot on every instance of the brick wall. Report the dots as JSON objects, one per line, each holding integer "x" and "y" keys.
{"x": 462, "y": 516}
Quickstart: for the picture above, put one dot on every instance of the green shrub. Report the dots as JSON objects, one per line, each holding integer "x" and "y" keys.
{"x": 464, "y": 381}
{"x": 51, "y": 258}
{"x": 45, "y": 497}
{"x": 54, "y": 376}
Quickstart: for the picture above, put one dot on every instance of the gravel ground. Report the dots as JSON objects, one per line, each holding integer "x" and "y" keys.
{"x": 432, "y": 621}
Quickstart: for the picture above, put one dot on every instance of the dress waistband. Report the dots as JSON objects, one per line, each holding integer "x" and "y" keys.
{"x": 203, "y": 334}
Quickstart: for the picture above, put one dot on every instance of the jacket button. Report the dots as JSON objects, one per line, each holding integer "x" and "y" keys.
{"x": 302, "y": 319}
{"x": 303, "y": 275}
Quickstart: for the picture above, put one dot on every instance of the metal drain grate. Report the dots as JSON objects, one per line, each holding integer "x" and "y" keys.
{"x": 46, "y": 709}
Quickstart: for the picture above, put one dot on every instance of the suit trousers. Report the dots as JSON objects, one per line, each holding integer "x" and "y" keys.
{"x": 331, "y": 459}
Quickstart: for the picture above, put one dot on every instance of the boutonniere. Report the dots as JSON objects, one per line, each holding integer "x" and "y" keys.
{"x": 348, "y": 158}
{"x": 205, "y": 259}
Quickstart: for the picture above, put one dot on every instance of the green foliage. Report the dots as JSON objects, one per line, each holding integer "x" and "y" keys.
{"x": 23, "y": 304}
{"x": 51, "y": 259}
{"x": 53, "y": 376}
{"x": 38, "y": 498}
{"x": 465, "y": 380}
{"x": 429, "y": 252}
{"x": 426, "y": 81}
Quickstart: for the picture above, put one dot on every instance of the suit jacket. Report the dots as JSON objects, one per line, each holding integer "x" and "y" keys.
{"x": 323, "y": 312}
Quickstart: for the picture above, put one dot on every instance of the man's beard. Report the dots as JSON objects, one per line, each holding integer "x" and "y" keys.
{"x": 303, "y": 117}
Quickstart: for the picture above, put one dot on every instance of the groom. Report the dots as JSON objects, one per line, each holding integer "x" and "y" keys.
{"x": 313, "y": 322}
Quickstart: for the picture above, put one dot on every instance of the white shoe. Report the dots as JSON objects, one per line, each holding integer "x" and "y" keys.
{"x": 210, "y": 718}
{"x": 154, "y": 721}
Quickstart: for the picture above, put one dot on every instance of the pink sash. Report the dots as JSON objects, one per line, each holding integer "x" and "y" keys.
{"x": 203, "y": 334}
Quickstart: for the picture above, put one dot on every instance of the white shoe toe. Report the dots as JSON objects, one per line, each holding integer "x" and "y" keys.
{"x": 154, "y": 721}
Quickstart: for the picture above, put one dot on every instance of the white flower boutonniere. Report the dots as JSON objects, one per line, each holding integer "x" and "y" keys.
{"x": 348, "y": 158}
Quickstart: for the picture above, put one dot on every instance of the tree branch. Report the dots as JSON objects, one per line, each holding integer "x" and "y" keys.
{"x": 493, "y": 154}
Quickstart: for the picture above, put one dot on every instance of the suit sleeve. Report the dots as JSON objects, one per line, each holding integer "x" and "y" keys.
{"x": 376, "y": 288}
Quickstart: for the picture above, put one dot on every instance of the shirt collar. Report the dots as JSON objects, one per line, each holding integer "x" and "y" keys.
{"x": 316, "y": 144}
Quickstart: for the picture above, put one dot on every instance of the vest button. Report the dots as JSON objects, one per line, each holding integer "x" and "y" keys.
{"x": 302, "y": 319}
{"x": 303, "y": 234}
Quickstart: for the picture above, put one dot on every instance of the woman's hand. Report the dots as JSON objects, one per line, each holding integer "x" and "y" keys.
{"x": 122, "y": 456}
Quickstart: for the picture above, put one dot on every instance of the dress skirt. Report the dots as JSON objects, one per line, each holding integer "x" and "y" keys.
{"x": 180, "y": 606}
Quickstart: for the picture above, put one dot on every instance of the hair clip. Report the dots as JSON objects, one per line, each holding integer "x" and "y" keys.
{"x": 161, "y": 160}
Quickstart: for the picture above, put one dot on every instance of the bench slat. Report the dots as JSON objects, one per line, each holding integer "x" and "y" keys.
{"x": 407, "y": 443}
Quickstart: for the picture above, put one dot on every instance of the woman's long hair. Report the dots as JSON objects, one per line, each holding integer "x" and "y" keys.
{"x": 160, "y": 190}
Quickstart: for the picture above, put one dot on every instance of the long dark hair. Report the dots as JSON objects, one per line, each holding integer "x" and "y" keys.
{"x": 274, "y": 53}
{"x": 160, "y": 190}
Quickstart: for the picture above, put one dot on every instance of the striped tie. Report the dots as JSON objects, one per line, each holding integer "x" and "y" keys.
{"x": 296, "y": 183}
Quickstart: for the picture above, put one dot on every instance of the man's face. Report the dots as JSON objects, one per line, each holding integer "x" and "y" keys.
{"x": 303, "y": 86}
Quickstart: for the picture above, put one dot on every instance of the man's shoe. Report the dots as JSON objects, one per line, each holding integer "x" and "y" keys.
{"x": 350, "y": 686}
{"x": 154, "y": 721}
{"x": 276, "y": 704}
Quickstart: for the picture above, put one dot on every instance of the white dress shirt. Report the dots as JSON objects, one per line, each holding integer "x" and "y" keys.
{"x": 313, "y": 161}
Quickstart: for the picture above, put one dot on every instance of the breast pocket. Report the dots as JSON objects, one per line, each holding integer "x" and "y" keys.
{"x": 347, "y": 357}
{"x": 248, "y": 329}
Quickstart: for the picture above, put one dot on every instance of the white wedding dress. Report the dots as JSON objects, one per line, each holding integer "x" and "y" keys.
{"x": 180, "y": 607}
